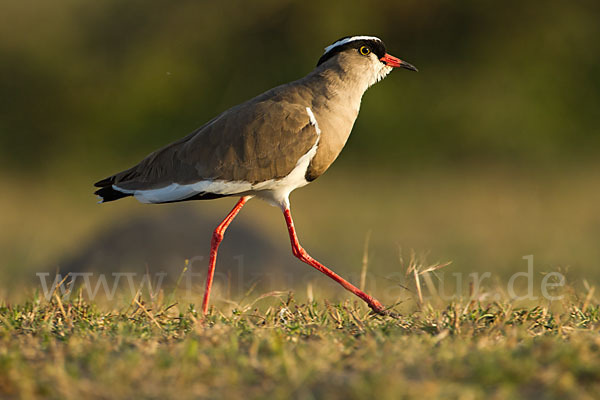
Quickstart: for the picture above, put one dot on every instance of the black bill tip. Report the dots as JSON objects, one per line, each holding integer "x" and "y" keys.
{"x": 408, "y": 66}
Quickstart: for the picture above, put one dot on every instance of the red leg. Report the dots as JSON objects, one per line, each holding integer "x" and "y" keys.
{"x": 214, "y": 247}
{"x": 301, "y": 254}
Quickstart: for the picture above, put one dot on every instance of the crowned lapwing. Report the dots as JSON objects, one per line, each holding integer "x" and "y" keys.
{"x": 266, "y": 147}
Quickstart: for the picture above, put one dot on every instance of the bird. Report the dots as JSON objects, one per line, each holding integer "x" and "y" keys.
{"x": 266, "y": 147}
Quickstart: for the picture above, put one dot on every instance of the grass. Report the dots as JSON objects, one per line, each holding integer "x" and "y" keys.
{"x": 157, "y": 349}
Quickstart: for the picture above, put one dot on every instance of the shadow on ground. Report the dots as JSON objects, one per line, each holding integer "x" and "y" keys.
{"x": 160, "y": 245}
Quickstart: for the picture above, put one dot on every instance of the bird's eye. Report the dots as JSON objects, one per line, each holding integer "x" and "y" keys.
{"x": 364, "y": 50}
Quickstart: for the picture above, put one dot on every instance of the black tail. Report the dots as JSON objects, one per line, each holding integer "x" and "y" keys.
{"x": 106, "y": 191}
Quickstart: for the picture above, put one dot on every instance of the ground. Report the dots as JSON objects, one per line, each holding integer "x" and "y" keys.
{"x": 283, "y": 349}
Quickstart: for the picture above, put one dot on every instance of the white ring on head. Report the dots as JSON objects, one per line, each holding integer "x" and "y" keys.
{"x": 348, "y": 40}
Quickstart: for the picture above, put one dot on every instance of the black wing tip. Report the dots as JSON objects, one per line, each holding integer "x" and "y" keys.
{"x": 105, "y": 182}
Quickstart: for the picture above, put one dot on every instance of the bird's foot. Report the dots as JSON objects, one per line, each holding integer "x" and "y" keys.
{"x": 378, "y": 308}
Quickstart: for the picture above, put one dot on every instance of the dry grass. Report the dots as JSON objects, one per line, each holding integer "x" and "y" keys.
{"x": 160, "y": 349}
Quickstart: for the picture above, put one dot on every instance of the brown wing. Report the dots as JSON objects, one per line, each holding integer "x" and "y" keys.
{"x": 255, "y": 141}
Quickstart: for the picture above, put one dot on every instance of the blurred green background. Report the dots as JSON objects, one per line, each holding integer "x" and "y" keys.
{"x": 487, "y": 154}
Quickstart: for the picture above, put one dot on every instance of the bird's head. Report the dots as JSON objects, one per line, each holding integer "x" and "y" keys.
{"x": 365, "y": 55}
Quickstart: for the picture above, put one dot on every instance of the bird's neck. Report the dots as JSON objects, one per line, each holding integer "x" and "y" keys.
{"x": 337, "y": 87}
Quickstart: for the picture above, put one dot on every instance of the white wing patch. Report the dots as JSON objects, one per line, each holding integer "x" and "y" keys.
{"x": 348, "y": 40}
{"x": 313, "y": 122}
{"x": 275, "y": 191}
